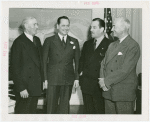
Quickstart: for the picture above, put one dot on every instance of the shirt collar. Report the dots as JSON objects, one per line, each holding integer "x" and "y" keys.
{"x": 123, "y": 38}
{"x": 99, "y": 40}
{"x": 65, "y": 37}
{"x": 29, "y": 36}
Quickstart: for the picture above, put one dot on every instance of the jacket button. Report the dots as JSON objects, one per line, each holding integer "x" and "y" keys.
{"x": 29, "y": 76}
{"x": 116, "y": 60}
{"x": 29, "y": 67}
{"x": 111, "y": 70}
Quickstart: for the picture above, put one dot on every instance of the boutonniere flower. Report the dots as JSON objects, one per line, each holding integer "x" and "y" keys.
{"x": 74, "y": 47}
{"x": 71, "y": 42}
{"x": 102, "y": 48}
{"x": 120, "y": 53}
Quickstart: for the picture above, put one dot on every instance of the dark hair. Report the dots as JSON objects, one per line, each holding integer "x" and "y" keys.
{"x": 62, "y": 17}
{"x": 101, "y": 22}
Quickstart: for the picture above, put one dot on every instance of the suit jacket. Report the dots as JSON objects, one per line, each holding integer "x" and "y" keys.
{"x": 26, "y": 65}
{"x": 58, "y": 61}
{"x": 119, "y": 70}
{"x": 90, "y": 61}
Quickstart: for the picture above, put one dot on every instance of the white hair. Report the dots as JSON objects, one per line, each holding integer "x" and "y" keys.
{"x": 25, "y": 21}
{"x": 124, "y": 23}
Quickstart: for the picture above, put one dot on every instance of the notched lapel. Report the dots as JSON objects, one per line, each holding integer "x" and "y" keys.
{"x": 68, "y": 47}
{"x": 68, "y": 44}
{"x": 120, "y": 48}
{"x": 99, "y": 50}
{"x": 57, "y": 42}
{"x": 30, "y": 48}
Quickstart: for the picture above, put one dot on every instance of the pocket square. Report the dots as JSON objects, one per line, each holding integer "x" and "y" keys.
{"x": 74, "y": 47}
{"x": 120, "y": 53}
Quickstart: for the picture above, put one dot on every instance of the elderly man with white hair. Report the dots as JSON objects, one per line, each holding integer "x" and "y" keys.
{"x": 118, "y": 71}
{"x": 27, "y": 68}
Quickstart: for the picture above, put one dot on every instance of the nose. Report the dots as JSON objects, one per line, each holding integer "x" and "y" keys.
{"x": 66, "y": 27}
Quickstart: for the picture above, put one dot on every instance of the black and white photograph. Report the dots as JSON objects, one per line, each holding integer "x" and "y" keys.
{"x": 80, "y": 60}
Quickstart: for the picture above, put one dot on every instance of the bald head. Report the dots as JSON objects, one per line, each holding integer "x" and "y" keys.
{"x": 30, "y": 25}
{"x": 121, "y": 27}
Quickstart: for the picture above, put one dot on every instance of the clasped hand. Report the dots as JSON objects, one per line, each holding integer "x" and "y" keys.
{"x": 102, "y": 84}
{"x": 24, "y": 94}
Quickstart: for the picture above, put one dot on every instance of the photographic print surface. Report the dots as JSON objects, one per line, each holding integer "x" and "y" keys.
{"x": 80, "y": 15}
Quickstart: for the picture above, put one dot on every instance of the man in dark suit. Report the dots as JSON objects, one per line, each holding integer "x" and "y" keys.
{"x": 26, "y": 64}
{"x": 59, "y": 53}
{"x": 118, "y": 71}
{"x": 92, "y": 54}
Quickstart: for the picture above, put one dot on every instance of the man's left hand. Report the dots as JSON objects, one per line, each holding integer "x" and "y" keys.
{"x": 76, "y": 84}
{"x": 101, "y": 82}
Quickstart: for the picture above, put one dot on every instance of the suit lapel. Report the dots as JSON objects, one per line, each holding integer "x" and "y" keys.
{"x": 120, "y": 48}
{"x": 68, "y": 47}
{"x": 31, "y": 50}
{"x": 58, "y": 43}
{"x": 68, "y": 44}
{"x": 39, "y": 48}
{"x": 97, "y": 50}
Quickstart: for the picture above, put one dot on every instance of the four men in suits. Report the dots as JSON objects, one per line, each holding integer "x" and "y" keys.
{"x": 27, "y": 68}
{"x": 60, "y": 52}
{"x": 92, "y": 54}
{"x": 118, "y": 76}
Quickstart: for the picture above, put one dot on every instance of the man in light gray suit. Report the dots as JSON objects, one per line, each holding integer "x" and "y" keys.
{"x": 118, "y": 71}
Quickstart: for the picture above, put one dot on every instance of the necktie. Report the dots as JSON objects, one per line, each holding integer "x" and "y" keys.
{"x": 63, "y": 41}
{"x": 94, "y": 44}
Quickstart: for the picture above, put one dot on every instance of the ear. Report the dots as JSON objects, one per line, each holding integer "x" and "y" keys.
{"x": 26, "y": 25}
{"x": 102, "y": 29}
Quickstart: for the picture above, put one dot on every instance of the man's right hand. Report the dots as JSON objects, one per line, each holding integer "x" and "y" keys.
{"x": 46, "y": 84}
{"x": 24, "y": 94}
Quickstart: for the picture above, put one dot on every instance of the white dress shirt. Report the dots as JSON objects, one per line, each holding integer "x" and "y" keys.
{"x": 65, "y": 37}
{"x": 29, "y": 36}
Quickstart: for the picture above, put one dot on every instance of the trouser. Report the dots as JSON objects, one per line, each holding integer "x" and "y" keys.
{"x": 119, "y": 107}
{"x": 26, "y": 105}
{"x": 58, "y": 98}
{"x": 93, "y": 104}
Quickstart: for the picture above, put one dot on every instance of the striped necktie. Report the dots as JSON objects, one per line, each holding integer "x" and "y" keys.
{"x": 63, "y": 41}
{"x": 94, "y": 44}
